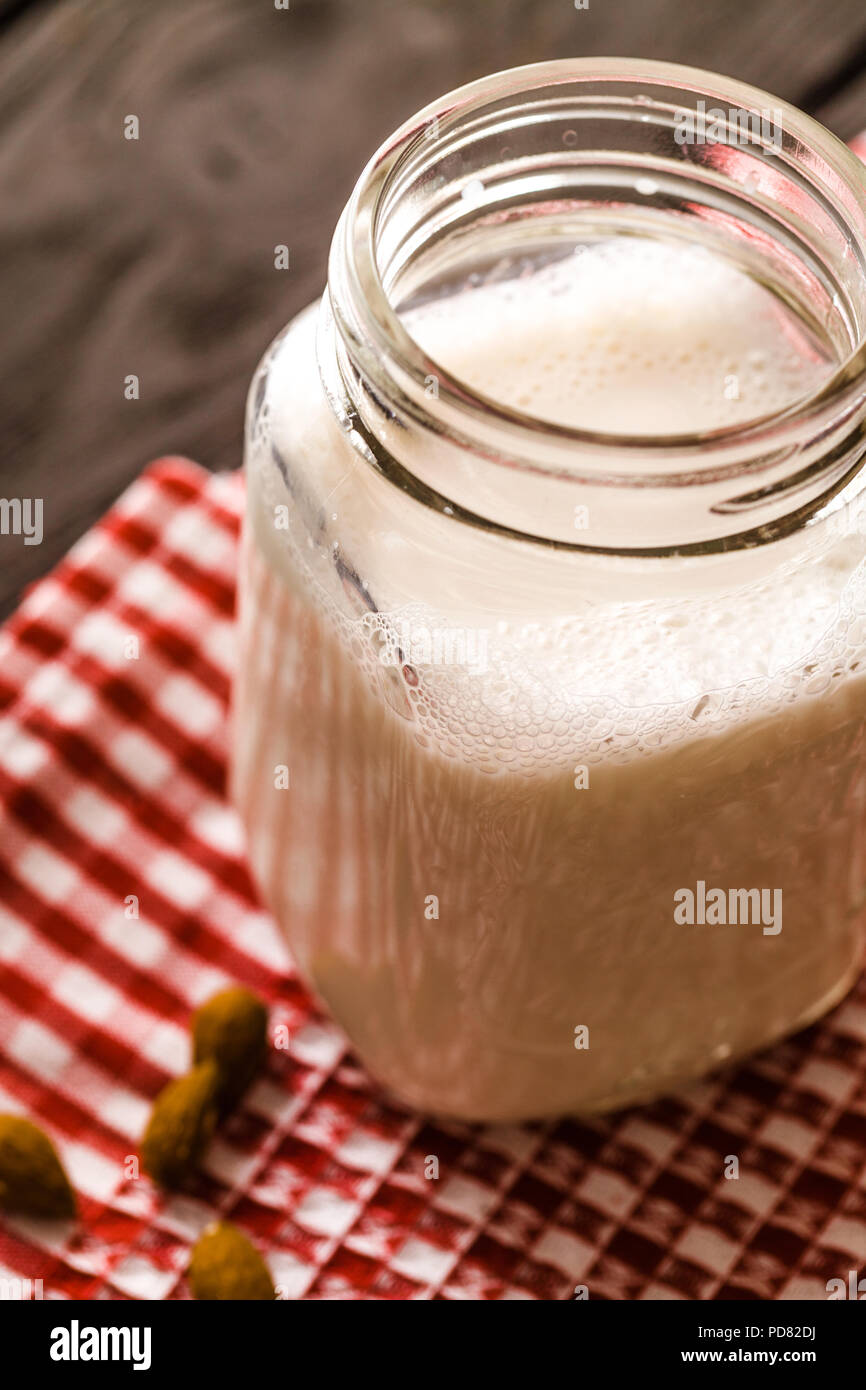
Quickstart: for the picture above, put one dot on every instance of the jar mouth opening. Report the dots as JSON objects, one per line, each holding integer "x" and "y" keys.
{"x": 799, "y": 154}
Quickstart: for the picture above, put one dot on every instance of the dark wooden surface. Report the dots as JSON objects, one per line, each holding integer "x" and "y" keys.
{"x": 155, "y": 257}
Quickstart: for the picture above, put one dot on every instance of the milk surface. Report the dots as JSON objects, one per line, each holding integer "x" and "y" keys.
{"x": 505, "y": 763}
{"x": 627, "y": 336}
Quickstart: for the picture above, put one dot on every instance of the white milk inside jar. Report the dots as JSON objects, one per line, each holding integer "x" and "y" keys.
{"x": 549, "y": 722}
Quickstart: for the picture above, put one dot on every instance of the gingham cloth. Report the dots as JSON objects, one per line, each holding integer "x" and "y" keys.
{"x": 112, "y": 774}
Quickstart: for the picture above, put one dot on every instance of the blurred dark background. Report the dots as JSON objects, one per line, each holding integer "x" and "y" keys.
{"x": 156, "y": 256}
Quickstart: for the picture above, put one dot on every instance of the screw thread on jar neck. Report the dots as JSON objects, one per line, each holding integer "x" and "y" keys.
{"x": 530, "y": 159}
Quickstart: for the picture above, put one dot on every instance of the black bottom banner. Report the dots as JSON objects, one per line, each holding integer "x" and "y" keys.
{"x": 245, "y": 1340}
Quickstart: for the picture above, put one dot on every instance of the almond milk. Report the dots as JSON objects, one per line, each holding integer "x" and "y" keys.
{"x": 475, "y": 774}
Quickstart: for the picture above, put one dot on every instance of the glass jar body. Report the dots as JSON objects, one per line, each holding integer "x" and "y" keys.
{"x": 549, "y": 832}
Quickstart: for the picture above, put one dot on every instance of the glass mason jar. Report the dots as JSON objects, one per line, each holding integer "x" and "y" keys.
{"x": 549, "y": 729}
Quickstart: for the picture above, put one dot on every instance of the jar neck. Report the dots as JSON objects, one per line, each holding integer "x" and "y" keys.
{"x": 530, "y": 159}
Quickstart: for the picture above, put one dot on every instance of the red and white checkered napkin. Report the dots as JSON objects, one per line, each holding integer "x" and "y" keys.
{"x": 112, "y": 771}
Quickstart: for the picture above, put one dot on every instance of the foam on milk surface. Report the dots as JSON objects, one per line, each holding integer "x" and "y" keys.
{"x": 627, "y": 336}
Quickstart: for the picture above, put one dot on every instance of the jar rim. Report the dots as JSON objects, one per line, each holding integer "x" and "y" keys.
{"x": 365, "y": 315}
